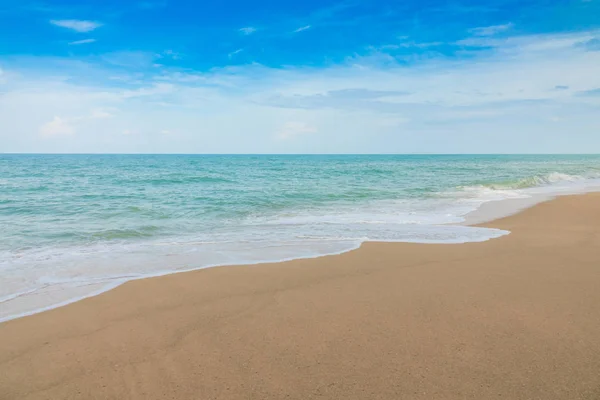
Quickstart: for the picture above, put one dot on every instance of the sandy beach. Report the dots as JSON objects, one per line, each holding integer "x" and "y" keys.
{"x": 513, "y": 318}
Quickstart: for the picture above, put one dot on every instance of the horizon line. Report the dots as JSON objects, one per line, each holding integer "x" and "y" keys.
{"x": 303, "y": 154}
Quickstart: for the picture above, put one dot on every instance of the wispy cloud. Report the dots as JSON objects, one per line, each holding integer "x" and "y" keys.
{"x": 155, "y": 91}
{"x": 99, "y": 113}
{"x": 532, "y": 43}
{"x": 491, "y": 30}
{"x": 249, "y": 30}
{"x": 350, "y": 98}
{"x": 511, "y": 89}
{"x": 592, "y": 92}
{"x": 76, "y": 24}
{"x": 170, "y": 54}
{"x": 234, "y": 53}
{"x": 592, "y": 44}
{"x": 57, "y": 127}
{"x": 304, "y": 28}
{"x": 60, "y": 126}
{"x": 418, "y": 45}
{"x": 84, "y": 41}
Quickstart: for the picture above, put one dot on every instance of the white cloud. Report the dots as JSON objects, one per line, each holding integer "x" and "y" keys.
{"x": 84, "y": 41}
{"x": 304, "y": 28}
{"x": 156, "y": 90}
{"x": 491, "y": 30}
{"x": 57, "y": 127}
{"x": 422, "y": 45}
{"x": 100, "y": 113}
{"x": 234, "y": 53}
{"x": 534, "y": 46}
{"x": 76, "y": 25}
{"x": 67, "y": 126}
{"x": 293, "y": 129}
{"x": 249, "y": 30}
{"x": 170, "y": 54}
{"x": 503, "y": 99}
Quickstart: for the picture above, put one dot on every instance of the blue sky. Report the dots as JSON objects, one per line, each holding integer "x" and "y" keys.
{"x": 167, "y": 76}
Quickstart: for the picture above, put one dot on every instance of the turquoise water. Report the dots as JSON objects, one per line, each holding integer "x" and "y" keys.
{"x": 75, "y": 225}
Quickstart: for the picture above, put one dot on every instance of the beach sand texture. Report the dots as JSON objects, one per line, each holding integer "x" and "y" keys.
{"x": 512, "y": 318}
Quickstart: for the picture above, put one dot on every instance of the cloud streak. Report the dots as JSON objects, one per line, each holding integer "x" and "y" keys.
{"x": 249, "y": 30}
{"x": 234, "y": 53}
{"x": 506, "y": 98}
{"x": 491, "y": 30}
{"x": 84, "y": 41}
{"x": 303, "y": 28}
{"x": 76, "y": 25}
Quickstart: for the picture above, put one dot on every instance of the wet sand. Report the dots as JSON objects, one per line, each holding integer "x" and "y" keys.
{"x": 513, "y": 318}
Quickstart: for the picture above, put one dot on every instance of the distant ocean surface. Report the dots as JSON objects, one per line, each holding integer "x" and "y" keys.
{"x": 75, "y": 225}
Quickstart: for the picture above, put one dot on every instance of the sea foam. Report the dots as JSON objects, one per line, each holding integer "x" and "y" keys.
{"x": 103, "y": 220}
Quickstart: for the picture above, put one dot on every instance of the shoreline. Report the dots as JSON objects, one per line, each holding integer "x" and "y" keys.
{"x": 486, "y": 213}
{"x": 493, "y": 210}
{"x": 515, "y": 316}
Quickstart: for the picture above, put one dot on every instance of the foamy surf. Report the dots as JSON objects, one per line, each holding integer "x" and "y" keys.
{"x": 72, "y": 274}
{"x": 93, "y": 234}
{"x": 505, "y": 200}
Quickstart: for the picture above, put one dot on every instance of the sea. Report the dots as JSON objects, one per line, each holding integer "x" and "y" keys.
{"x": 73, "y": 226}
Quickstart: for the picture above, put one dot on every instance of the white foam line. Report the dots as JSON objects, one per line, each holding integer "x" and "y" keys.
{"x": 17, "y": 295}
{"x": 61, "y": 304}
{"x": 495, "y": 209}
{"x": 486, "y": 211}
{"x": 122, "y": 280}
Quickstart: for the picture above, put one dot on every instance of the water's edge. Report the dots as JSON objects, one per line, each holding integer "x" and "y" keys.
{"x": 497, "y": 209}
{"x": 494, "y": 210}
{"x": 76, "y": 226}
{"x": 486, "y": 213}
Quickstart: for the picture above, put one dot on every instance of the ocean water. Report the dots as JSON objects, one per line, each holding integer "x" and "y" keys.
{"x": 72, "y": 226}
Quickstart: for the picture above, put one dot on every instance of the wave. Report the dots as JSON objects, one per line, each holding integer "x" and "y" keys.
{"x": 527, "y": 191}
{"x": 177, "y": 180}
{"x": 111, "y": 234}
{"x": 64, "y": 275}
{"x": 97, "y": 236}
{"x": 552, "y": 178}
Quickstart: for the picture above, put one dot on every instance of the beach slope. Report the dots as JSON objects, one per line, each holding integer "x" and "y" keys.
{"x": 514, "y": 318}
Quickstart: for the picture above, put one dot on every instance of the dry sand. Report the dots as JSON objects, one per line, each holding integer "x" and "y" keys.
{"x": 513, "y": 318}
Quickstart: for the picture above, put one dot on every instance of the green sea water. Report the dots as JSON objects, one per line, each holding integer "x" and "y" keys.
{"x": 75, "y": 225}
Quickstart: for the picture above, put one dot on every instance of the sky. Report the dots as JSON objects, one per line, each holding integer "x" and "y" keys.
{"x": 327, "y": 76}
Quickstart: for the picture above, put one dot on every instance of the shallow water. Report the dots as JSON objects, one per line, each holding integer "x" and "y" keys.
{"x": 76, "y": 225}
